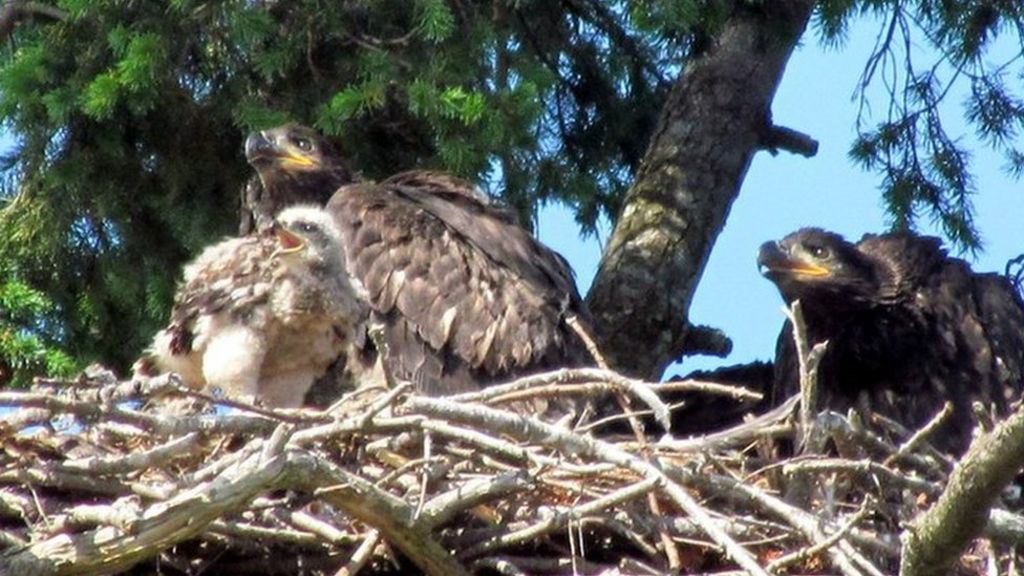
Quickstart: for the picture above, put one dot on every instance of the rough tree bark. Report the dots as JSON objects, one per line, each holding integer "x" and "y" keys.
{"x": 716, "y": 117}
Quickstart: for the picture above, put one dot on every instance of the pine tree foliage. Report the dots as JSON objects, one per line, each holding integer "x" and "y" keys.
{"x": 27, "y": 345}
{"x": 925, "y": 166}
{"x": 129, "y": 120}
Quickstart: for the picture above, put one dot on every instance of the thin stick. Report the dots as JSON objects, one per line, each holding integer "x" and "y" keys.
{"x": 612, "y": 381}
{"x": 804, "y": 553}
{"x": 808, "y": 359}
{"x": 588, "y": 340}
{"x": 120, "y": 464}
{"x": 361, "y": 555}
{"x": 563, "y": 518}
{"x": 922, "y": 434}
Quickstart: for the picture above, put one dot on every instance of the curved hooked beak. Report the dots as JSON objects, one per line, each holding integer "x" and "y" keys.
{"x": 771, "y": 258}
{"x": 258, "y": 146}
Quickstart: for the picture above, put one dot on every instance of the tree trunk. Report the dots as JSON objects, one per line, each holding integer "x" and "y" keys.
{"x": 715, "y": 118}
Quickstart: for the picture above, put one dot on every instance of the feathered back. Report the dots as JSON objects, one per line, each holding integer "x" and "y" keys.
{"x": 464, "y": 292}
{"x": 228, "y": 276}
{"x": 907, "y": 259}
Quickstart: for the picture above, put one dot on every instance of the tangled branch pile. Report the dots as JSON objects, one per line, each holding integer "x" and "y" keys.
{"x": 96, "y": 479}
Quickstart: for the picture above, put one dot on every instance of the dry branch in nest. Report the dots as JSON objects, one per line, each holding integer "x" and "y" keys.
{"x": 103, "y": 476}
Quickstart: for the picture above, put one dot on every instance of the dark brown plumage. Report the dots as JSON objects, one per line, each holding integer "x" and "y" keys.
{"x": 462, "y": 294}
{"x": 908, "y": 328}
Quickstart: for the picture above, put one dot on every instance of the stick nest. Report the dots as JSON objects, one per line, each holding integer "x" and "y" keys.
{"x": 99, "y": 475}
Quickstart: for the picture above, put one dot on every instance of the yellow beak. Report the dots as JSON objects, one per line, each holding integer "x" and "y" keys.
{"x": 297, "y": 160}
{"x": 807, "y": 269}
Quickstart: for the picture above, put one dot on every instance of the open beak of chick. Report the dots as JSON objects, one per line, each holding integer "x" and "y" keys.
{"x": 288, "y": 241}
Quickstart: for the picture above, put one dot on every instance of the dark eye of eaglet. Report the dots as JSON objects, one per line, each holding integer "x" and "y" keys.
{"x": 818, "y": 251}
{"x": 303, "y": 144}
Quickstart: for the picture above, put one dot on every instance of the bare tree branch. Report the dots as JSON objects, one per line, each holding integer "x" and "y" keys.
{"x": 778, "y": 138}
{"x": 932, "y": 544}
{"x": 14, "y": 11}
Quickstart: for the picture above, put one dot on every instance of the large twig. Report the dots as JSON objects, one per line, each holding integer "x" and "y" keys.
{"x": 390, "y": 515}
{"x": 865, "y": 467}
{"x": 441, "y": 508}
{"x": 92, "y": 409}
{"x": 808, "y": 359}
{"x": 158, "y": 455}
{"x": 766, "y": 424}
{"x": 361, "y": 555}
{"x": 703, "y": 386}
{"x": 932, "y": 544}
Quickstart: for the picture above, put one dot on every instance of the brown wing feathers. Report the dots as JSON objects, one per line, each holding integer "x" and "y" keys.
{"x": 462, "y": 273}
{"x": 208, "y": 289}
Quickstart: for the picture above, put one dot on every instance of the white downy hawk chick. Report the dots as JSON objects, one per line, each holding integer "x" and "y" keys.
{"x": 263, "y": 316}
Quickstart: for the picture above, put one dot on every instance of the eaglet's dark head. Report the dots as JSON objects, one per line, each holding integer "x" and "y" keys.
{"x": 813, "y": 265}
{"x": 297, "y": 156}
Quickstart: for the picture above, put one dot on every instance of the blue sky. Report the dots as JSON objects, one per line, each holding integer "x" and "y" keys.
{"x": 786, "y": 192}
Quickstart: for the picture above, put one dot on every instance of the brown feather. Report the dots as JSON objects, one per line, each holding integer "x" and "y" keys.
{"x": 476, "y": 287}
